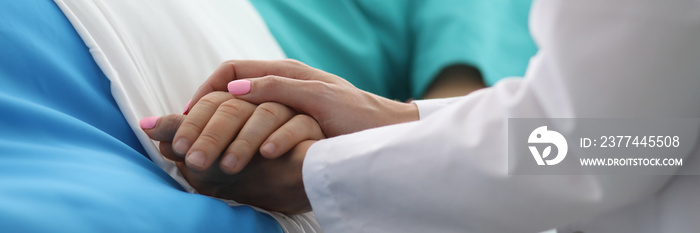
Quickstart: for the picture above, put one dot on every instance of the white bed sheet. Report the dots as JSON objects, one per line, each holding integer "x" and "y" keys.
{"x": 157, "y": 52}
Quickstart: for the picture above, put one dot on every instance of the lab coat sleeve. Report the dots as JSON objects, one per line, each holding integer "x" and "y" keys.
{"x": 448, "y": 172}
{"x": 429, "y": 106}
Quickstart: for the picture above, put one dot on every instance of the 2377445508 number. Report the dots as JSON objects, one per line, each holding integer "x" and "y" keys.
{"x": 639, "y": 141}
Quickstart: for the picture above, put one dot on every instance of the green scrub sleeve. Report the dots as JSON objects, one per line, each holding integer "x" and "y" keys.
{"x": 491, "y": 36}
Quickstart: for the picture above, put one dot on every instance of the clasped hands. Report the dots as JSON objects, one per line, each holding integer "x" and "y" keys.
{"x": 249, "y": 126}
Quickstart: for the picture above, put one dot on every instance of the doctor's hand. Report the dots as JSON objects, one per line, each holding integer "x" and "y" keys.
{"x": 338, "y": 106}
{"x": 220, "y": 124}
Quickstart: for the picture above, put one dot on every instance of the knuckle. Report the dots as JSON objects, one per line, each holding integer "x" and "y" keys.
{"x": 286, "y": 134}
{"x": 319, "y": 86}
{"x": 243, "y": 145}
{"x": 212, "y": 99}
{"x": 272, "y": 78}
{"x": 270, "y": 111}
{"x": 293, "y": 62}
{"x": 209, "y": 139}
{"x": 272, "y": 83}
{"x": 307, "y": 122}
{"x": 191, "y": 125}
{"x": 233, "y": 109}
{"x": 244, "y": 142}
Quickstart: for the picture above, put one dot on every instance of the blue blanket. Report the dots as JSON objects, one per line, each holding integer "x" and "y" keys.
{"x": 68, "y": 160}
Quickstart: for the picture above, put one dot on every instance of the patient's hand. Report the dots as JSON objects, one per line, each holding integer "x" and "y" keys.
{"x": 218, "y": 123}
{"x": 271, "y": 184}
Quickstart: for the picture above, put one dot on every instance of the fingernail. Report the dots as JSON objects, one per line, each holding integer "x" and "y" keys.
{"x": 187, "y": 107}
{"x": 181, "y": 146}
{"x": 269, "y": 148}
{"x": 229, "y": 161}
{"x": 196, "y": 159}
{"x": 149, "y": 122}
{"x": 239, "y": 87}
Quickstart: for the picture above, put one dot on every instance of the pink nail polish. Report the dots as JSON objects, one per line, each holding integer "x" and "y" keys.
{"x": 187, "y": 107}
{"x": 148, "y": 122}
{"x": 239, "y": 87}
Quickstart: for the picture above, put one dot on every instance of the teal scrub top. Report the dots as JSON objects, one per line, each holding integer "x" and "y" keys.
{"x": 69, "y": 162}
{"x": 395, "y": 48}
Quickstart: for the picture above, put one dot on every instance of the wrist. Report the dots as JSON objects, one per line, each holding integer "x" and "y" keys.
{"x": 410, "y": 112}
{"x": 381, "y": 111}
{"x": 403, "y": 112}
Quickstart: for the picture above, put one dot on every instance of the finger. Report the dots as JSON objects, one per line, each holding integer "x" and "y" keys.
{"x": 241, "y": 69}
{"x": 194, "y": 123}
{"x": 162, "y": 128}
{"x": 265, "y": 120}
{"x": 166, "y": 149}
{"x": 298, "y": 129}
{"x": 290, "y": 92}
{"x": 221, "y": 129}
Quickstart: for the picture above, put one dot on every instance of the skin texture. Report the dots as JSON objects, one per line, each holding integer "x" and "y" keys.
{"x": 258, "y": 183}
{"x": 293, "y": 84}
{"x": 276, "y": 184}
{"x": 273, "y": 184}
{"x": 221, "y": 124}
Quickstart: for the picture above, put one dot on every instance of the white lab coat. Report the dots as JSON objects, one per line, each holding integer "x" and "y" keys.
{"x": 448, "y": 171}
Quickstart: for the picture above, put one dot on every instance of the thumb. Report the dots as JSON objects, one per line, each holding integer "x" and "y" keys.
{"x": 162, "y": 128}
{"x": 307, "y": 96}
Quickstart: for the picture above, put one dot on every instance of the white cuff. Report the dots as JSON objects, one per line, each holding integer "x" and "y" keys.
{"x": 428, "y": 107}
{"x": 317, "y": 186}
